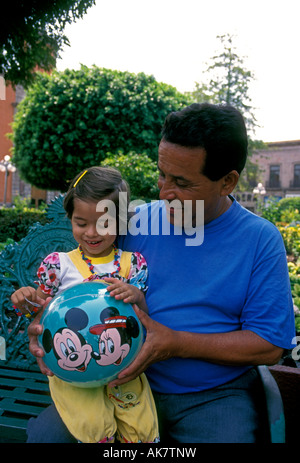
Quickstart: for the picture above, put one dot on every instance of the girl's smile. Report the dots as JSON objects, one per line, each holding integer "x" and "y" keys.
{"x": 84, "y": 227}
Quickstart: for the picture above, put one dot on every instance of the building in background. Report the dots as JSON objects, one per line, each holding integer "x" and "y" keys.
{"x": 278, "y": 174}
{"x": 7, "y": 109}
{"x": 279, "y": 166}
{"x": 9, "y": 99}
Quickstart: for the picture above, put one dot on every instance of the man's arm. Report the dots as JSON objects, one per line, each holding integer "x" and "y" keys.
{"x": 35, "y": 329}
{"x": 233, "y": 348}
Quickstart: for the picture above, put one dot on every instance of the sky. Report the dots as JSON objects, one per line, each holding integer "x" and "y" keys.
{"x": 174, "y": 40}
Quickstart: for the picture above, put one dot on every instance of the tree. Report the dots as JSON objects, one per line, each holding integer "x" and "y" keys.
{"x": 70, "y": 120}
{"x": 31, "y": 35}
{"x": 229, "y": 83}
{"x": 139, "y": 171}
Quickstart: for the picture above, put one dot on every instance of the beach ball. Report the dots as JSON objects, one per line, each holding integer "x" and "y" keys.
{"x": 88, "y": 336}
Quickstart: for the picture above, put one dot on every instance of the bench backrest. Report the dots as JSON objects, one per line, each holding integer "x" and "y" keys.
{"x": 288, "y": 380}
{"x": 18, "y": 266}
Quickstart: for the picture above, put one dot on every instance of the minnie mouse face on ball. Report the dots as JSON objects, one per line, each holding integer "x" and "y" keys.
{"x": 115, "y": 336}
{"x": 70, "y": 348}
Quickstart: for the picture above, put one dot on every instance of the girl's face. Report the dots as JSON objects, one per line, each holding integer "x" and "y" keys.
{"x": 84, "y": 221}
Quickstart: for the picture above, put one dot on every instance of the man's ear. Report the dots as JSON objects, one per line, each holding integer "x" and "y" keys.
{"x": 229, "y": 182}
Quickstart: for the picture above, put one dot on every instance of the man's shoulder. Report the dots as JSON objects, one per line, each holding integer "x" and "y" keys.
{"x": 260, "y": 230}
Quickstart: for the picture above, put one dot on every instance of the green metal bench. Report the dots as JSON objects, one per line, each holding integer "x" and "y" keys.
{"x": 24, "y": 395}
{"x": 24, "y": 390}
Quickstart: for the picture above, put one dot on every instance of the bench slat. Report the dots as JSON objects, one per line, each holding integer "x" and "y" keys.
{"x": 21, "y": 395}
{"x": 6, "y": 372}
{"x": 27, "y": 383}
{"x": 10, "y": 405}
{"x": 17, "y": 423}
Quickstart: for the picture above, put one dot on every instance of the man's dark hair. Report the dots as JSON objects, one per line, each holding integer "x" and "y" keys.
{"x": 219, "y": 129}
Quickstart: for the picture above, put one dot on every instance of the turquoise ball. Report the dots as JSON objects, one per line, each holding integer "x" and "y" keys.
{"x": 88, "y": 336}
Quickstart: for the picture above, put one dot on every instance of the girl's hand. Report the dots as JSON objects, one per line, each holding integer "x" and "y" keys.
{"x": 26, "y": 298}
{"x": 123, "y": 291}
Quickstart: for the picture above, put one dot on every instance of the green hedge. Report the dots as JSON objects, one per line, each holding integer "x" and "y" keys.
{"x": 15, "y": 224}
{"x": 285, "y": 211}
{"x": 70, "y": 120}
{"x": 289, "y": 203}
{"x": 140, "y": 172}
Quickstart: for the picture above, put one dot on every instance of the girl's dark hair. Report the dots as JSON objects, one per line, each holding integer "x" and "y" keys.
{"x": 219, "y": 129}
{"x": 95, "y": 184}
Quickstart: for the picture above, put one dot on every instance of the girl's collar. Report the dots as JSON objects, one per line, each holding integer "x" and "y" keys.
{"x": 102, "y": 260}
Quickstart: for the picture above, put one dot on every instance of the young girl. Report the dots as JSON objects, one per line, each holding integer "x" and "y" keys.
{"x": 96, "y": 414}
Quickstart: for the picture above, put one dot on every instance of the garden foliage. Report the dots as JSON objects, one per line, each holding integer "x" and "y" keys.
{"x": 286, "y": 216}
{"x": 32, "y": 34}
{"x": 139, "y": 171}
{"x": 15, "y": 224}
{"x": 71, "y": 120}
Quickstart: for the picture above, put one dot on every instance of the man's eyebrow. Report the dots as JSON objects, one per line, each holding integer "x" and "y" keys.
{"x": 79, "y": 218}
{"x": 178, "y": 177}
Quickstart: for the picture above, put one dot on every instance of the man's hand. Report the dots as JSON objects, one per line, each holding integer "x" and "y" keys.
{"x": 242, "y": 347}
{"x": 160, "y": 344}
{"x": 35, "y": 329}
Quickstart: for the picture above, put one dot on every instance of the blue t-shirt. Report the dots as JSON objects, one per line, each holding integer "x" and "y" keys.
{"x": 237, "y": 279}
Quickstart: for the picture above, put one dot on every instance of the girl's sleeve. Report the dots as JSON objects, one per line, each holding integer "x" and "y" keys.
{"x": 49, "y": 274}
{"x": 138, "y": 272}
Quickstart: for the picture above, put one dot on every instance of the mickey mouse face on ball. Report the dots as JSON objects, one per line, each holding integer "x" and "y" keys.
{"x": 69, "y": 346}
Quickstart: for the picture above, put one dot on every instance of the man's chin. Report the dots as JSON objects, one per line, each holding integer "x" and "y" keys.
{"x": 175, "y": 217}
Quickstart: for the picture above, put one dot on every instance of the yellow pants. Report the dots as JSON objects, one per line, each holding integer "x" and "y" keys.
{"x": 101, "y": 414}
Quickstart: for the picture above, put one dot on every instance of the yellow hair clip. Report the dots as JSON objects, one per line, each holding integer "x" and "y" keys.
{"x": 79, "y": 178}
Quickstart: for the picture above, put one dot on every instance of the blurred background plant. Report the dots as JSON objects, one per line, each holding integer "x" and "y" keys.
{"x": 17, "y": 220}
{"x": 286, "y": 216}
{"x": 139, "y": 171}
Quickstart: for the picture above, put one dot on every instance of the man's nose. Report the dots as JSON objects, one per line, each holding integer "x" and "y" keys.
{"x": 167, "y": 191}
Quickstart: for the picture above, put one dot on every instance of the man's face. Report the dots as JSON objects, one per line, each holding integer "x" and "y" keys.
{"x": 180, "y": 178}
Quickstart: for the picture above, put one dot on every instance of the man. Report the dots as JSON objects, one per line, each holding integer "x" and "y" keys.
{"x": 216, "y": 309}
